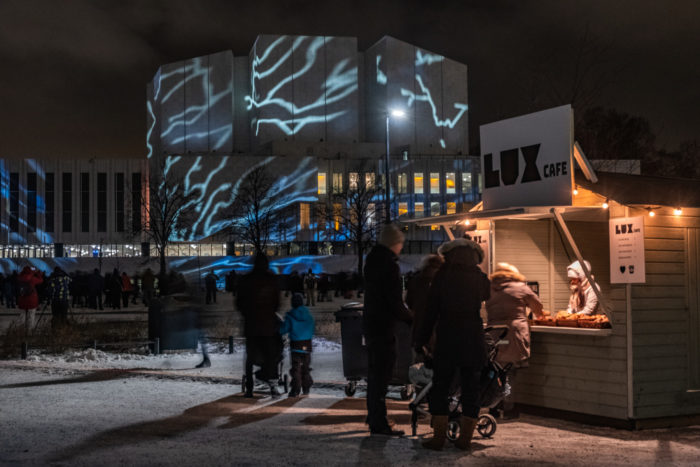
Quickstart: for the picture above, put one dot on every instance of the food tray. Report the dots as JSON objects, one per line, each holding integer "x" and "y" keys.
{"x": 569, "y": 323}
{"x": 545, "y": 322}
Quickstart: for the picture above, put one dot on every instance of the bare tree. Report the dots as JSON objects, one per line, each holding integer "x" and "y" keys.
{"x": 164, "y": 204}
{"x": 353, "y": 214}
{"x": 256, "y": 209}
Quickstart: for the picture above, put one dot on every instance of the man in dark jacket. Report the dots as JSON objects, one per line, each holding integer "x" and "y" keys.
{"x": 384, "y": 309}
{"x": 96, "y": 285}
{"x": 58, "y": 291}
{"x": 453, "y": 306}
{"x": 258, "y": 299}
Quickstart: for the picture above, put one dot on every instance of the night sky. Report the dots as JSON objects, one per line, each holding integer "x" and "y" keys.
{"x": 74, "y": 73}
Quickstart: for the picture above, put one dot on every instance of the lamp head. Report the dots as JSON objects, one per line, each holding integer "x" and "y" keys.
{"x": 397, "y": 113}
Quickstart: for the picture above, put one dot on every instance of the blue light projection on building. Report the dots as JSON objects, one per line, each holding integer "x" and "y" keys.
{"x": 291, "y": 117}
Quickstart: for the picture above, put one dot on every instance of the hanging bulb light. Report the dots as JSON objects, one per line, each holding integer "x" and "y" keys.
{"x": 575, "y": 190}
{"x": 651, "y": 212}
{"x": 677, "y": 212}
{"x": 466, "y": 222}
{"x": 606, "y": 204}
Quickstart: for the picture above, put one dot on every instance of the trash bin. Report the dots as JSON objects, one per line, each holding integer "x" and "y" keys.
{"x": 355, "y": 365}
{"x": 174, "y": 322}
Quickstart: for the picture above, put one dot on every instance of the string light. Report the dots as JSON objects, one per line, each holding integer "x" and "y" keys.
{"x": 677, "y": 212}
{"x": 575, "y": 190}
{"x": 651, "y": 212}
{"x": 606, "y": 204}
{"x": 466, "y": 222}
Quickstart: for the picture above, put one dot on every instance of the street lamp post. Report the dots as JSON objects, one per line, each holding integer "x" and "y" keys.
{"x": 387, "y": 179}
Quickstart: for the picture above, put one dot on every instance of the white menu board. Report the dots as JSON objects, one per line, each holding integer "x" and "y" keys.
{"x": 482, "y": 238}
{"x": 627, "y": 250}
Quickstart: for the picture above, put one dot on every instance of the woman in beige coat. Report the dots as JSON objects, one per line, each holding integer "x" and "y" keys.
{"x": 508, "y": 305}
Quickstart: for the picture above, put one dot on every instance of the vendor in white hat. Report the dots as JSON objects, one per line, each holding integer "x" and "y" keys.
{"x": 583, "y": 300}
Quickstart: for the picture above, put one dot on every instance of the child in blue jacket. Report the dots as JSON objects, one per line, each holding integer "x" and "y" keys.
{"x": 300, "y": 325}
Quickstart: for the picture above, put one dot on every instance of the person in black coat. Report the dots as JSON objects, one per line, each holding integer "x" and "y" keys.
{"x": 258, "y": 299}
{"x": 95, "y": 287}
{"x": 384, "y": 309}
{"x": 454, "y": 302}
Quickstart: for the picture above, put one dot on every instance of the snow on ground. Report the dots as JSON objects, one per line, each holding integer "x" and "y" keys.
{"x": 111, "y": 417}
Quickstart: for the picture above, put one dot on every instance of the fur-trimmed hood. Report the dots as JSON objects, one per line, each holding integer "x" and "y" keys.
{"x": 506, "y": 276}
{"x": 462, "y": 251}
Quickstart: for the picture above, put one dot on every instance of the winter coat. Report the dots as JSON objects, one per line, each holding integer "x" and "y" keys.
{"x": 96, "y": 283}
{"x": 510, "y": 297}
{"x": 210, "y": 280}
{"x": 454, "y": 302}
{"x": 584, "y": 301}
{"x": 300, "y": 325}
{"x": 417, "y": 298}
{"x": 384, "y": 306}
{"x": 59, "y": 287}
{"x": 258, "y": 299}
{"x": 126, "y": 283}
{"x": 27, "y": 302}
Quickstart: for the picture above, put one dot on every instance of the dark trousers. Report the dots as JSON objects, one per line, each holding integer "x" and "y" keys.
{"x": 443, "y": 376}
{"x": 95, "y": 301}
{"x": 59, "y": 313}
{"x": 300, "y": 373}
{"x": 125, "y": 299}
{"x": 211, "y": 295}
{"x": 381, "y": 353}
{"x": 265, "y": 352}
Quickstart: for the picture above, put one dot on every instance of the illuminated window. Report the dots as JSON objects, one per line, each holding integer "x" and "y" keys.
{"x": 337, "y": 183}
{"x": 370, "y": 180}
{"x": 403, "y": 209}
{"x": 434, "y": 209}
{"x": 337, "y": 213}
{"x": 450, "y": 183}
{"x": 451, "y": 207}
{"x": 353, "y": 178}
{"x": 371, "y": 214}
{"x": 466, "y": 182}
{"x": 135, "y": 202}
{"x": 403, "y": 183}
{"x": 418, "y": 183}
{"x": 304, "y": 215}
{"x": 434, "y": 227}
{"x": 419, "y": 209}
{"x": 434, "y": 183}
{"x": 322, "y": 183}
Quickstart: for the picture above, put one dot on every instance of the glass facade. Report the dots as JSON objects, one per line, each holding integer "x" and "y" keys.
{"x": 321, "y": 183}
{"x": 67, "y": 212}
{"x": 434, "y": 183}
{"x": 402, "y": 183}
{"x": 418, "y": 183}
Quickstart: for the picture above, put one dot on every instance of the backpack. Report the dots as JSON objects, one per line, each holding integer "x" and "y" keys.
{"x": 25, "y": 288}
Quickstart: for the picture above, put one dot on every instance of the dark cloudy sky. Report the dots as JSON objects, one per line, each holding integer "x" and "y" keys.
{"x": 73, "y": 72}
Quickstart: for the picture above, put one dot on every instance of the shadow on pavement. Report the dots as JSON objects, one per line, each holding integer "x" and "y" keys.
{"x": 191, "y": 419}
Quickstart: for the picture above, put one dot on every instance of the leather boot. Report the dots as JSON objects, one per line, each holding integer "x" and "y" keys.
{"x": 466, "y": 430}
{"x": 436, "y": 443}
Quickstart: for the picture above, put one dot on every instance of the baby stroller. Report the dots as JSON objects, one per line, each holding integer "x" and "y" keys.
{"x": 258, "y": 360}
{"x": 493, "y": 389}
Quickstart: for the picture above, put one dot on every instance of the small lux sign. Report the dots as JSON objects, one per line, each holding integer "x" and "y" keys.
{"x": 627, "y": 250}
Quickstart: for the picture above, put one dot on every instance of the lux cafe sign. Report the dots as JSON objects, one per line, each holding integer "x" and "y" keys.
{"x": 527, "y": 161}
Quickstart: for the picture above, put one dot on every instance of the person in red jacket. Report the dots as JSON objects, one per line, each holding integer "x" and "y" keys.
{"x": 27, "y": 296}
{"x": 127, "y": 289}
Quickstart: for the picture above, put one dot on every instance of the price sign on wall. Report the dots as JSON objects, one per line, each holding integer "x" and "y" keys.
{"x": 482, "y": 238}
{"x": 627, "y": 250}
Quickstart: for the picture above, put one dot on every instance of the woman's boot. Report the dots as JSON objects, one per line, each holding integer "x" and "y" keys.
{"x": 466, "y": 430}
{"x": 436, "y": 443}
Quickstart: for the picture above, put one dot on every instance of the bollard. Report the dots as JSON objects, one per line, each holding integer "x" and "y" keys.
{"x": 156, "y": 346}
{"x": 25, "y": 350}
{"x": 230, "y": 344}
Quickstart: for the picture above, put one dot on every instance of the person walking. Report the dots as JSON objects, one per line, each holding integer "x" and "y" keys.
{"x": 508, "y": 305}
{"x": 27, "y": 296}
{"x": 258, "y": 299}
{"x": 58, "y": 292}
{"x": 299, "y": 324}
{"x": 384, "y": 309}
{"x": 417, "y": 294}
{"x": 210, "y": 285}
{"x": 95, "y": 287}
{"x": 147, "y": 286}
{"x": 453, "y": 306}
{"x": 115, "y": 289}
{"x": 127, "y": 289}
{"x": 310, "y": 288}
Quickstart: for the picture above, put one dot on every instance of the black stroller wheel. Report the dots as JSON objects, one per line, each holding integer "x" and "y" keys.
{"x": 486, "y": 426}
{"x": 453, "y": 430}
{"x": 350, "y": 388}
